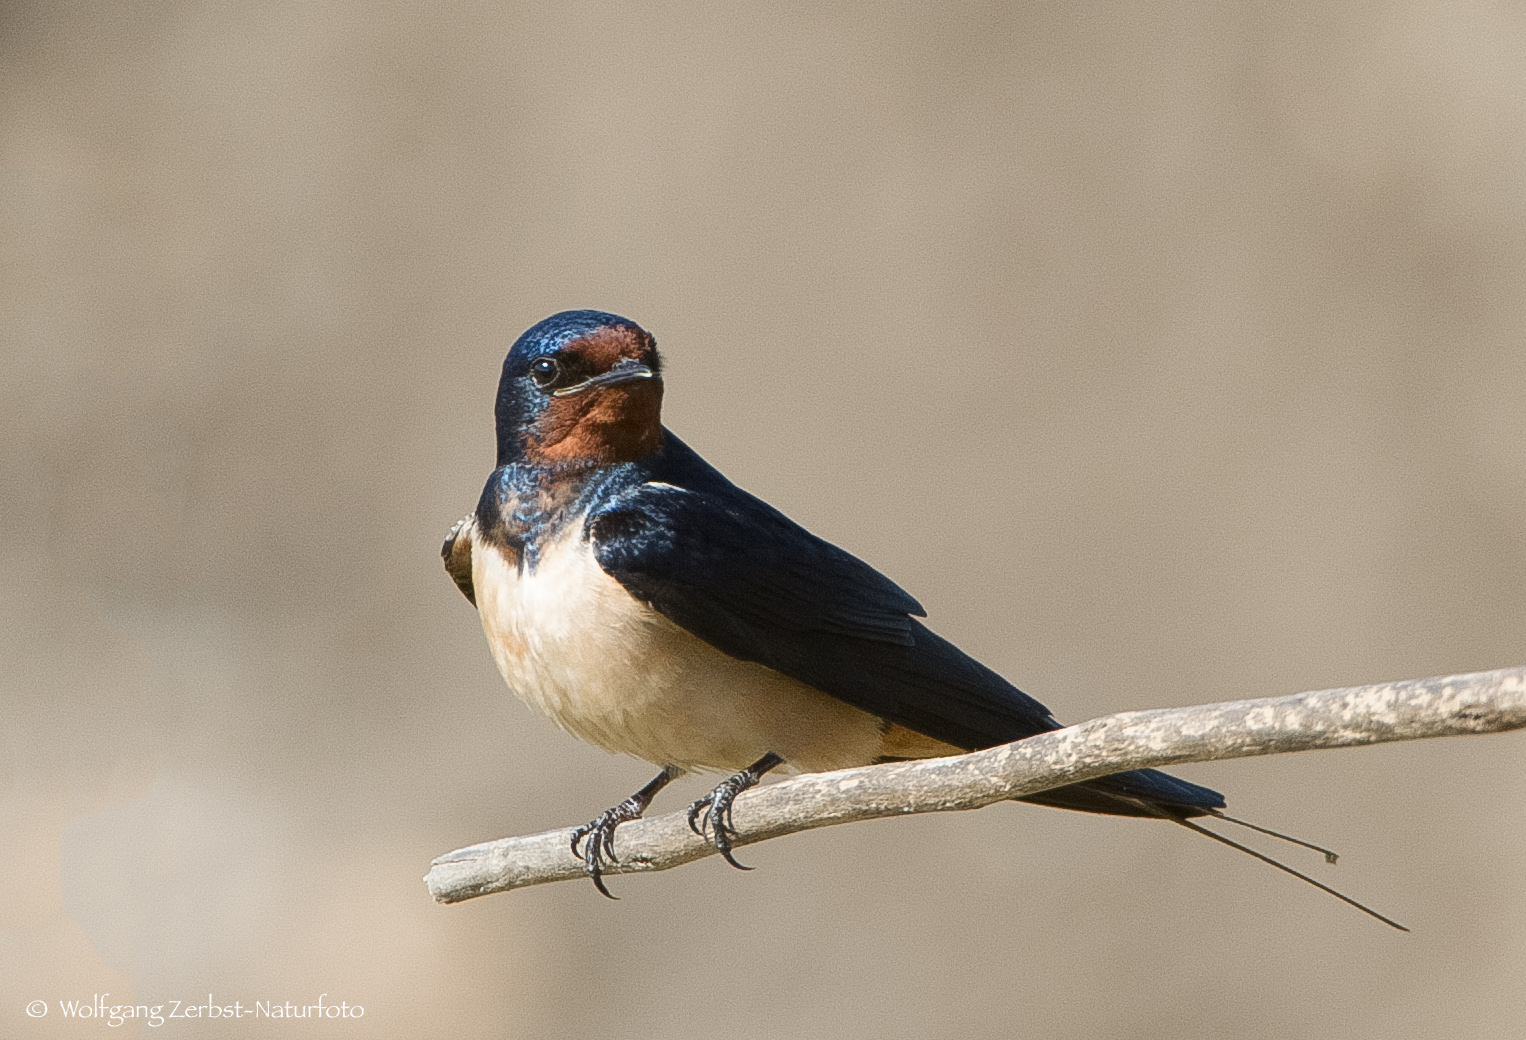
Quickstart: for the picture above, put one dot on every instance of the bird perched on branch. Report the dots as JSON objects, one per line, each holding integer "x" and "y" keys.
{"x": 648, "y": 605}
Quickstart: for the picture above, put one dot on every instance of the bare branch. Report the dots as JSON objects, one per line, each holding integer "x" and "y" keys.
{"x": 1483, "y": 702}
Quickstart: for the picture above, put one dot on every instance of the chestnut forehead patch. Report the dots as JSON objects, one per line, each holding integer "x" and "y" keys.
{"x": 603, "y": 348}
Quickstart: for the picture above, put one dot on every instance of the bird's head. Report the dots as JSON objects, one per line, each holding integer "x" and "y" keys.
{"x": 580, "y": 387}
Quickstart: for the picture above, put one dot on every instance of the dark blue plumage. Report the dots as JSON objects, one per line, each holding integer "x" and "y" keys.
{"x": 745, "y": 578}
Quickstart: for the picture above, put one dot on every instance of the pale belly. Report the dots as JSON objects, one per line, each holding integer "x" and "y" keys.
{"x": 572, "y": 643}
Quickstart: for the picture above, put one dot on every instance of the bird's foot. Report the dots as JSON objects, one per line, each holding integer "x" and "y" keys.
{"x": 598, "y": 840}
{"x": 710, "y": 816}
{"x": 597, "y": 836}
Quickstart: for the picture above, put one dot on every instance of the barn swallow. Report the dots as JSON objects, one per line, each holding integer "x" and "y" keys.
{"x": 650, "y": 606}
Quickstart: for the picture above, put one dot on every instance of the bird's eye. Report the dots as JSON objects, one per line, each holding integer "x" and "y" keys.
{"x": 544, "y": 371}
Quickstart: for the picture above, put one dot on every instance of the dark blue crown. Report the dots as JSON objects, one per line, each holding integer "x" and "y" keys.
{"x": 554, "y": 333}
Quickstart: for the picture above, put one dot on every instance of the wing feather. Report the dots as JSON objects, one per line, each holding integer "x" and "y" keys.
{"x": 755, "y": 585}
{"x": 457, "y": 553}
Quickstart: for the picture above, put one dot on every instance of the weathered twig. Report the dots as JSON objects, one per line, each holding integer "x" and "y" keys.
{"x": 1483, "y": 702}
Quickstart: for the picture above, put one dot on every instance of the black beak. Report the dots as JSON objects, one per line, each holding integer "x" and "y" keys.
{"x": 626, "y": 371}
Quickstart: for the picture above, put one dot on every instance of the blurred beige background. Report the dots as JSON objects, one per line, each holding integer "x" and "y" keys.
{"x": 1168, "y": 352}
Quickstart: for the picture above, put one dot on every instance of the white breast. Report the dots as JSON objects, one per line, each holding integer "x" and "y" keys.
{"x": 573, "y": 643}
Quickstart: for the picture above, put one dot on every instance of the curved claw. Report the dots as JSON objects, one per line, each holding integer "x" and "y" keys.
{"x": 726, "y": 854}
{"x": 596, "y": 846}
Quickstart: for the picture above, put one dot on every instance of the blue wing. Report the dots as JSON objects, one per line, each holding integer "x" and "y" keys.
{"x": 745, "y": 578}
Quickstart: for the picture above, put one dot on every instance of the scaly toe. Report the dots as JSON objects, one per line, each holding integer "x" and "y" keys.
{"x": 598, "y": 840}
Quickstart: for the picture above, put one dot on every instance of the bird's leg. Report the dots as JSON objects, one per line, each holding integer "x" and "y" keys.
{"x": 600, "y": 831}
{"x": 714, "y": 810}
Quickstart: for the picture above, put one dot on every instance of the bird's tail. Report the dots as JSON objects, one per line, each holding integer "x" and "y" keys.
{"x": 1152, "y": 794}
{"x": 1330, "y": 857}
{"x": 1142, "y": 792}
